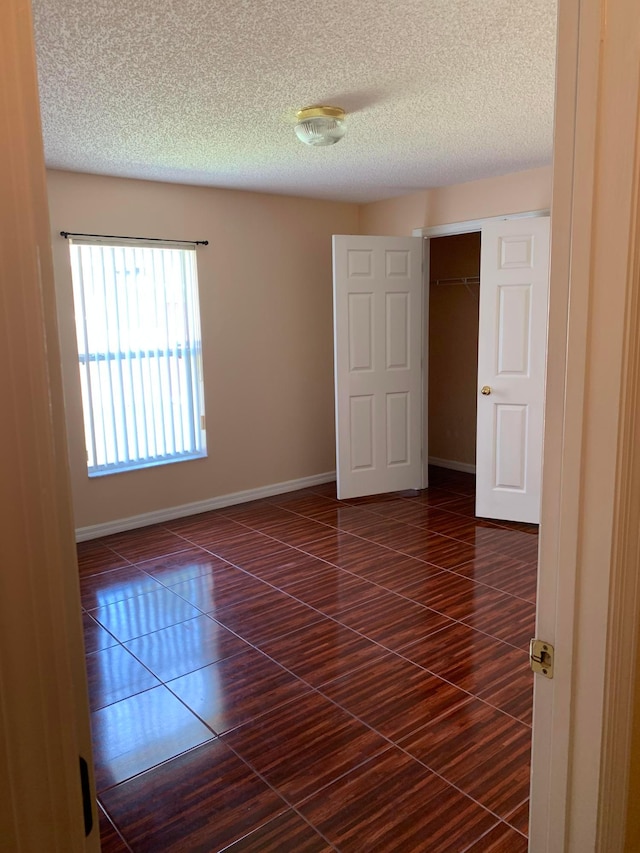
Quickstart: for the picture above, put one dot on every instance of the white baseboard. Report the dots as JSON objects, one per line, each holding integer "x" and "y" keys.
{"x": 160, "y": 515}
{"x": 452, "y": 465}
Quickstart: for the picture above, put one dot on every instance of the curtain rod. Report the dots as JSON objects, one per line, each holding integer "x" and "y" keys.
{"x": 67, "y": 234}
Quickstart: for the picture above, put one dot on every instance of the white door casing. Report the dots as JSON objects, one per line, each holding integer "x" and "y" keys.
{"x": 377, "y": 289}
{"x": 514, "y": 291}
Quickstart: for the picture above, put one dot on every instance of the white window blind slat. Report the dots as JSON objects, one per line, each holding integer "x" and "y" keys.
{"x": 139, "y": 352}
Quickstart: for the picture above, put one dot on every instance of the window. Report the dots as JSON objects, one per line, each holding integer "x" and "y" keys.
{"x": 139, "y": 352}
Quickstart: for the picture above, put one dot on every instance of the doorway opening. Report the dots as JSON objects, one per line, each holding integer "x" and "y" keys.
{"x": 453, "y": 316}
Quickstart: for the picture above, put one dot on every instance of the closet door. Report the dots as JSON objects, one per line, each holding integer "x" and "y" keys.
{"x": 514, "y": 275}
{"x": 378, "y": 363}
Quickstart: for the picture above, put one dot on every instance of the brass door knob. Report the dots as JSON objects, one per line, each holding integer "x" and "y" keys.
{"x": 486, "y": 390}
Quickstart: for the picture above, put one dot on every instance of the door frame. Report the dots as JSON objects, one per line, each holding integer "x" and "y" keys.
{"x": 451, "y": 229}
{"x": 588, "y": 590}
{"x": 44, "y": 710}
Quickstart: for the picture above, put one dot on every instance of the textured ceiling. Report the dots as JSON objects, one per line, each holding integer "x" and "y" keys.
{"x": 205, "y": 91}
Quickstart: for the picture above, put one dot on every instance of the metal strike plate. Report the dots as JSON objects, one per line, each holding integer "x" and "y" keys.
{"x": 541, "y": 655}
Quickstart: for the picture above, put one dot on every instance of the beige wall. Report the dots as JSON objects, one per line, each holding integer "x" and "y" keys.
{"x": 514, "y": 193}
{"x": 266, "y": 311}
{"x": 395, "y": 217}
{"x": 453, "y": 348}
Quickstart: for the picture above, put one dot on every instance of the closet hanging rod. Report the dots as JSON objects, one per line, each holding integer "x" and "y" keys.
{"x": 471, "y": 279}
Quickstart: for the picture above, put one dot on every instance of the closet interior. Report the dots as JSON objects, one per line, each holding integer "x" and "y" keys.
{"x": 454, "y": 295}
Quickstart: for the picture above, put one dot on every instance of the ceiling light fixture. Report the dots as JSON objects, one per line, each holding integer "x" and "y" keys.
{"x": 320, "y": 125}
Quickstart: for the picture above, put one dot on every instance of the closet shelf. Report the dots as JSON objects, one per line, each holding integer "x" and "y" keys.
{"x": 444, "y": 282}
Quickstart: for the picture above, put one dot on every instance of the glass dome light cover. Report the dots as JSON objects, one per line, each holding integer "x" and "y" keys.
{"x": 320, "y": 125}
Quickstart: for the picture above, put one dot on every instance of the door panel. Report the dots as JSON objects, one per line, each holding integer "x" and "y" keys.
{"x": 514, "y": 274}
{"x": 511, "y": 445}
{"x": 378, "y": 363}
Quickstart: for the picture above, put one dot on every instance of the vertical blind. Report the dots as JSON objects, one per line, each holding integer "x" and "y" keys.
{"x": 139, "y": 353}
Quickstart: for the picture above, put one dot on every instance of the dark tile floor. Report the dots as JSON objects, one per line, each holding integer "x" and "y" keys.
{"x": 299, "y": 674}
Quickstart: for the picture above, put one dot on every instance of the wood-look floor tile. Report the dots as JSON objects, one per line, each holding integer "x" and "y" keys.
{"x": 94, "y": 557}
{"x": 344, "y": 549}
{"x": 294, "y": 495}
{"x": 185, "y": 647}
{"x": 303, "y": 503}
{"x": 482, "y": 665}
{"x": 110, "y": 839}
{"x": 109, "y": 587}
{"x": 289, "y": 832}
{"x": 434, "y": 548}
{"x": 347, "y": 518}
{"x": 393, "y": 804}
{"x": 137, "y": 733}
{"x": 237, "y": 690}
{"x": 513, "y": 694}
{"x": 395, "y": 572}
{"x": 144, "y": 614}
{"x": 329, "y": 490}
{"x": 183, "y": 566}
{"x": 207, "y": 528}
{"x": 246, "y": 547}
{"x": 426, "y": 516}
{"x": 459, "y": 526}
{"x": 201, "y": 801}
{"x": 145, "y": 543}
{"x": 333, "y": 591}
{"x": 503, "y": 573}
{"x": 308, "y": 746}
{"x": 265, "y": 617}
{"x": 462, "y": 504}
{"x": 95, "y": 636}
{"x": 524, "y": 526}
{"x": 295, "y": 533}
{"x": 436, "y": 496}
{"x": 481, "y": 751}
{"x": 304, "y": 745}
{"x": 255, "y": 513}
{"x": 393, "y": 696}
{"x": 513, "y": 543}
{"x": 115, "y": 674}
{"x": 501, "y": 839}
{"x": 400, "y": 509}
{"x": 219, "y": 587}
{"x": 454, "y": 595}
{"x": 413, "y": 541}
{"x": 266, "y": 520}
{"x": 389, "y": 532}
{"x": 510, "y": 619}
{"x": 370, "y": 559}
{"x": 286, "y": 567}
{"x": 519, "y": 818}
{"x": 323, "y": 652}
{"x": 393, "y": 621}
{"x": 376, "y": 500}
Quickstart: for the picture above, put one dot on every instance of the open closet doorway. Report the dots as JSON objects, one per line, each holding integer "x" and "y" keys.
{"x": 511, "y": 336}
{"x": 453, "y": 315}
{"x": 381, "y": 348}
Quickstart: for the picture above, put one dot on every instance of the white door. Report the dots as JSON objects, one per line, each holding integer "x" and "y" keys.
{"x": 514, "y": 290}
{"x": 377, "y": 304}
